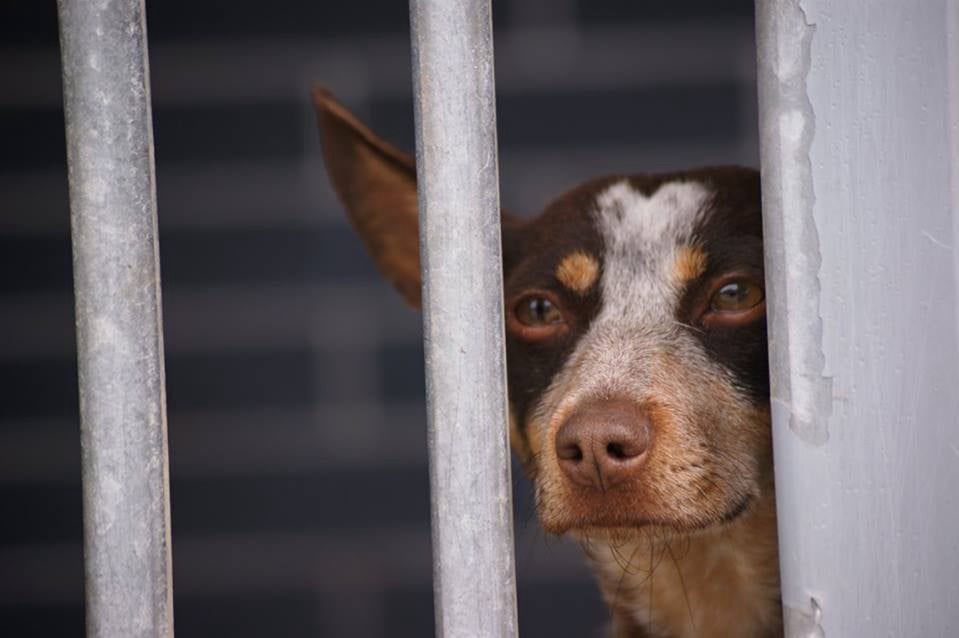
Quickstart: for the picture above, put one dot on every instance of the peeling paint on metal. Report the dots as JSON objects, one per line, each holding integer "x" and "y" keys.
{"x": 861, "y": 219}
{"x": 801, "y": 395}
{"x": 804, "y": 623}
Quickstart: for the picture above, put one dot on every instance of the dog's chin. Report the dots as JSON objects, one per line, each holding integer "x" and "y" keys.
{"x": 624, "y": 523}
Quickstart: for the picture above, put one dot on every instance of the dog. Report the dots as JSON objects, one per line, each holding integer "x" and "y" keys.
{"x": 637, "y": 375}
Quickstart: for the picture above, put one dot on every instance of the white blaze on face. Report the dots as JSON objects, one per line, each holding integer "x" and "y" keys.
{"x": 636, "y": 349}
{"x": 636, "y": 324}
{"x": 641, "y": 236}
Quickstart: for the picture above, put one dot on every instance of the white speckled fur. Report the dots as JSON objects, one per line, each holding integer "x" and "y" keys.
{"x": 641, "y": 235}
{"x": 635, "y": 348}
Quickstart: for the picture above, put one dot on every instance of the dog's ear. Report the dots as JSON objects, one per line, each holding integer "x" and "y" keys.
{"x": 377, "y": 184}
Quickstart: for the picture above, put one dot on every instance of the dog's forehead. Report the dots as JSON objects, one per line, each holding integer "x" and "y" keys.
{"x": 629, "y": 219}
{"x": 638, "y": 210}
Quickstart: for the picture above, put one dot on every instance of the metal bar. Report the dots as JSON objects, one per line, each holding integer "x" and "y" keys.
{"x": 457, "y": 170}
{"x": 859, "y": 139}
{"x": 126, "y": 507}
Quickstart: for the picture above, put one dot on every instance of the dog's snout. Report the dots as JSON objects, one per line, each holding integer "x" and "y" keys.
{"x": 603, "y": 443}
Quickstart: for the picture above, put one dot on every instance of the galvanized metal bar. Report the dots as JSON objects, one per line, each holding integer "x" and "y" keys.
{"x": 458, "y": 182}
{"x": 126, "y": 507}
{"x": 859, "y": 146}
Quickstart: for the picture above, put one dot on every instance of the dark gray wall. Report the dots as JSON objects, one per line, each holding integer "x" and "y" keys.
{"x": 300, "y": 492}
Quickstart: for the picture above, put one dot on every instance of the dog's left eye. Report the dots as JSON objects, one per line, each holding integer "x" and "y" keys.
{"x": 538, "y": 311}
{"x": 535, "y": 317}
{"x": 737, "y": 296}
{"x": 735, "y": 301}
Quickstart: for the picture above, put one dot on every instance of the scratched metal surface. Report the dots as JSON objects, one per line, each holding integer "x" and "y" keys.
{"x": 858, "y": 119}
{"x": 123, "y": 429}
{"x": 474, "y": 577}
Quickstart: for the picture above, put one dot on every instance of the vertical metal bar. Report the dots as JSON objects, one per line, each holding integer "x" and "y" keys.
{"x": 859, "y": 146}
{"x": 473, "y": 572}
{"x": 126, "y": 507}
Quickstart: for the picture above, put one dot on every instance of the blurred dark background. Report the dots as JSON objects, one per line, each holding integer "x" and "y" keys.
{"x": 297, "y": 427}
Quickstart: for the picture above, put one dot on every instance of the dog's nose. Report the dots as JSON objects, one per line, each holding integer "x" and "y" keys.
{"x": 603, "y": 443}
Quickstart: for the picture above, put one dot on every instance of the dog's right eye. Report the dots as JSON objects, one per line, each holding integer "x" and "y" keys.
{"x": 536, "y": 317}
{"x": 537, "y": 311}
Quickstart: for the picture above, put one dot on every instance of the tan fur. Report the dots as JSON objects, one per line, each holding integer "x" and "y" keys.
{"x": 689, "y": 264}
{"x": 685, "y": 480}
{"x": 578, "y": 272}
{"x": 667, "y": 563}
{"x": 713, "y": 584}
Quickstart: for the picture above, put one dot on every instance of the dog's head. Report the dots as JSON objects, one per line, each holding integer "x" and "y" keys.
{"x": 635, "y": 331}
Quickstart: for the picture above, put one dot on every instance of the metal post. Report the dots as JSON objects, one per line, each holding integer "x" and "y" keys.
{"x": 126, "y": 507}
{"x": 860, "y": 145}
{"x": 473, "y": 572}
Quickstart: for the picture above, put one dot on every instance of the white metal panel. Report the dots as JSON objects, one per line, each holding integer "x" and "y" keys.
{"x": 859, "y": 151}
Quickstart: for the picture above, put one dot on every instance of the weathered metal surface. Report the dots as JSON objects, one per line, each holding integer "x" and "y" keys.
{"x": 126, "y": 507}
{"x": 859, "y": 137}
{"x": 474, "y": 580}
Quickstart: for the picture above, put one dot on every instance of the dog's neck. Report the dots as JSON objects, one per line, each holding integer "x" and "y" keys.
{"x": 716, "y": 583}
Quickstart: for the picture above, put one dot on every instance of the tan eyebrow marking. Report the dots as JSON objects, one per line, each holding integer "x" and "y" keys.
{"x": 578, "y": 271}
{"x": 690, "y": 263}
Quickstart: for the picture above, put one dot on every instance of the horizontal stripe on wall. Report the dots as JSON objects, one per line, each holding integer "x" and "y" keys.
{"x": 318, "y": 501}
{"x": 276, "y": 130}
{"x": 232, "y": 379}
{"x": 248, "y": 256}
{"x": 35, "y": 23}
{"x": 34, "y": 138}
{"x": 570, "y": 120}
{"x": 552, "y": 609}
{"x": 590, "y": 12}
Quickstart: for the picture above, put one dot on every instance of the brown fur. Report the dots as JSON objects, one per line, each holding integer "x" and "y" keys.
{"x": 716, "y": 583}
{"x": 687, "y": 547}
{"x": 377, "y": 184}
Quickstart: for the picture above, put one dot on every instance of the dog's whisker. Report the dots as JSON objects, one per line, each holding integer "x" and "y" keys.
{"x": 689, "y": 326}
{"x": 682, "y": 582}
